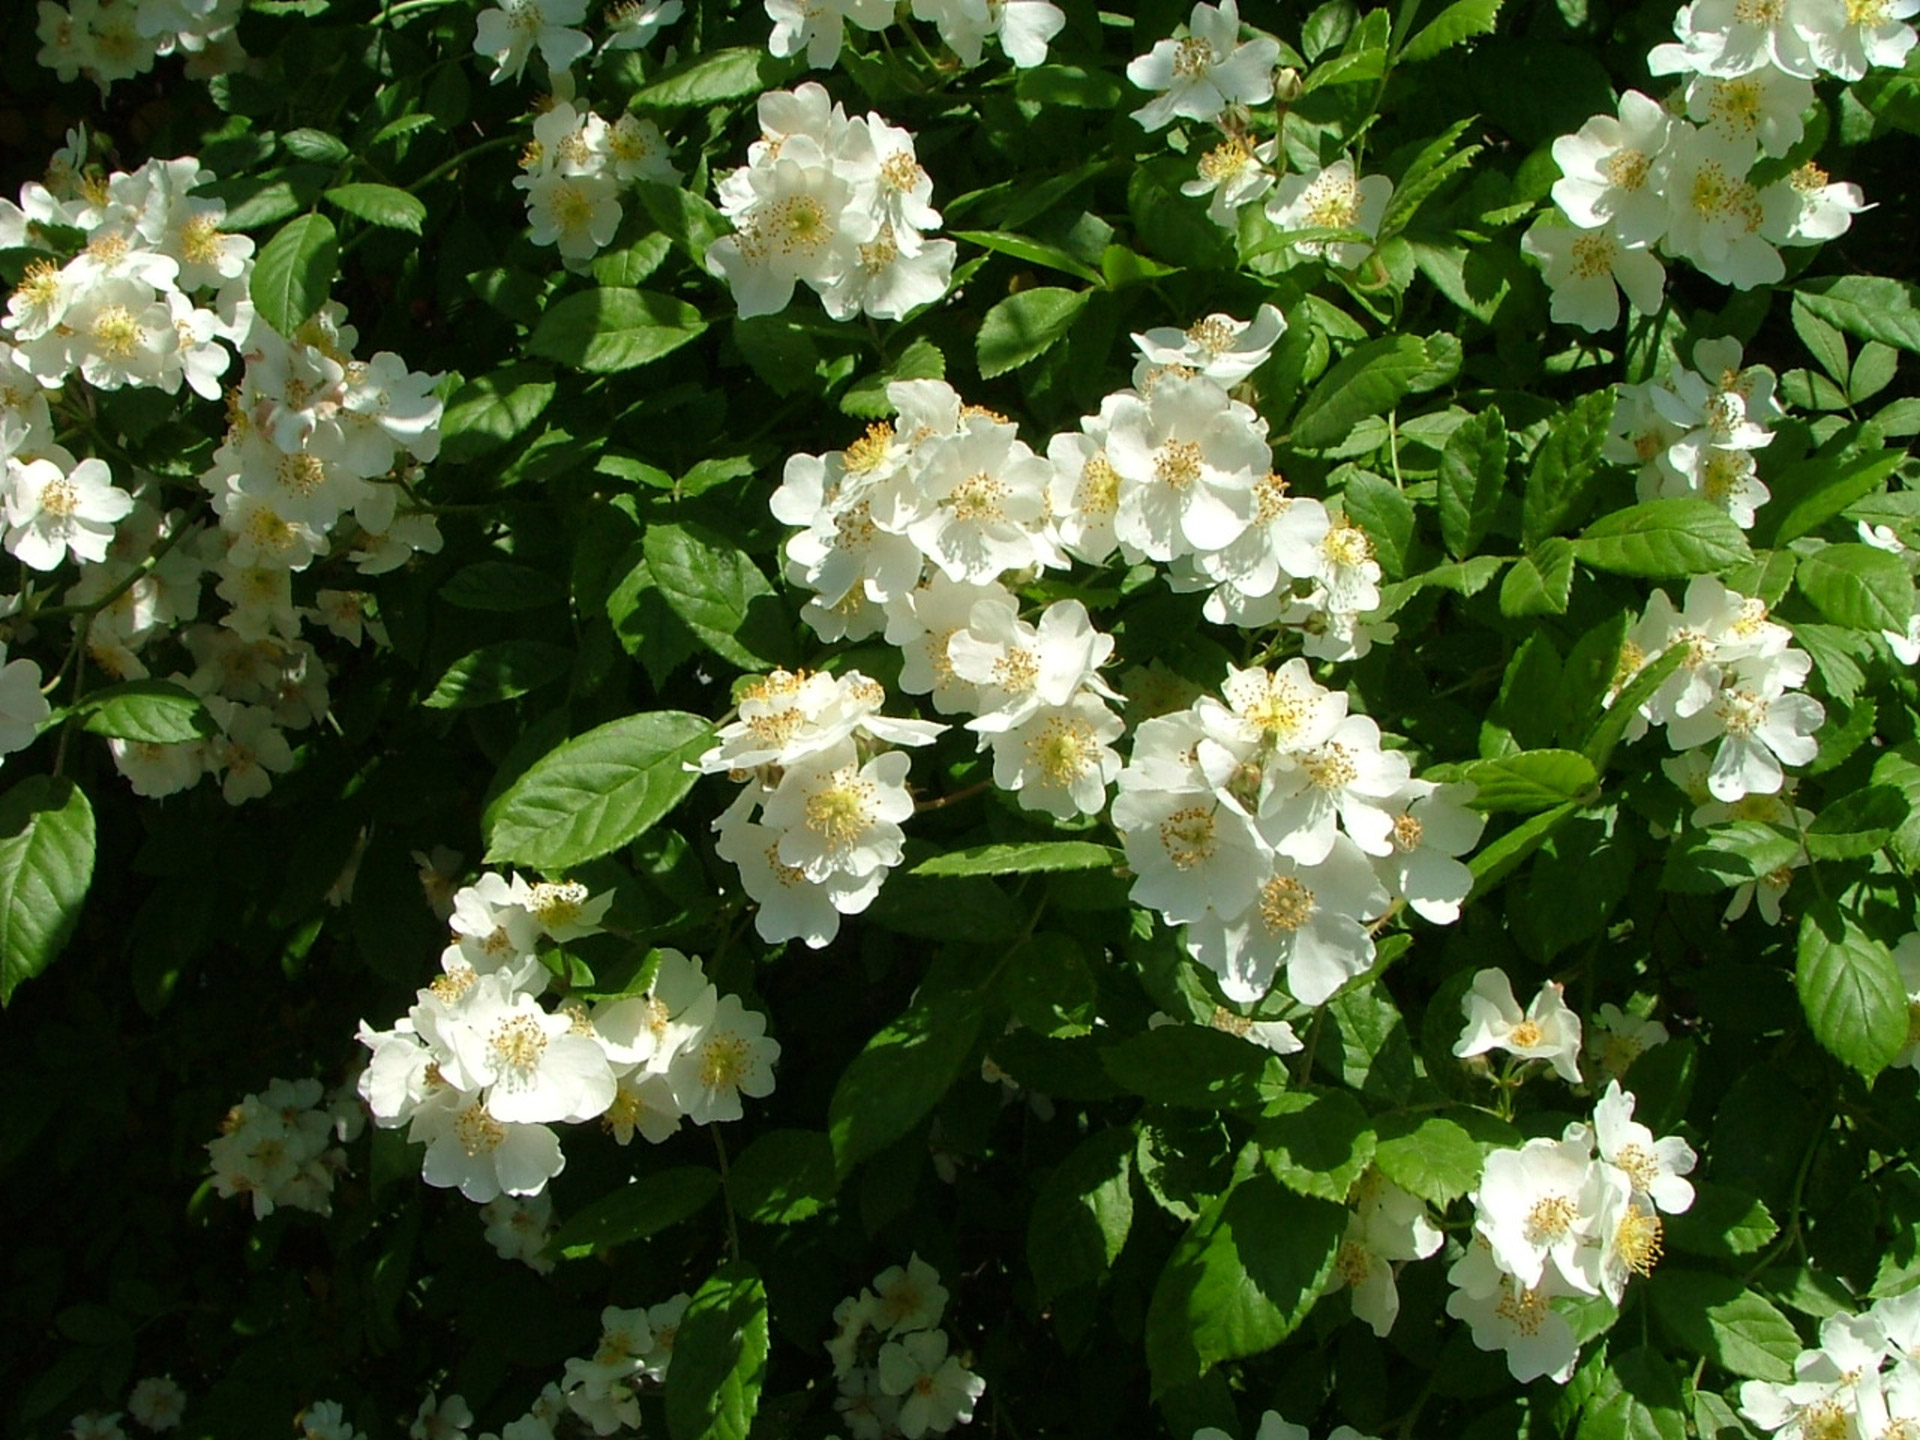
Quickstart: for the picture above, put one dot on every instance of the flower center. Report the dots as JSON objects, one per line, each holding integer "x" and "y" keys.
{"x": 1551, "y": 1219}
{"x": 1285, "y": 905}
{"x": 518, "y": 1043}
{"x": 1188, "y": 837}
{"x": 477, "y": 1131}
{"x": 1626, "y": 169}
{"x": 1192, "y": 58}
{"x": 723, "y": 1062}
{"x": 1177, "y": 463}
{"x": 839, "y": 814}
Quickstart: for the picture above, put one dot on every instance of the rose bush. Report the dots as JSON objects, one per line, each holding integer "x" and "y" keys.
{"x": 1229, "y": 694}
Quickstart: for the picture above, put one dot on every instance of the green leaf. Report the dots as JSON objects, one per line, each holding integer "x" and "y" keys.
{"x": 1869, "y": 306}
{"x": 148, "y": 712}
{"x": 500, "y": 585}
{"x": 899, "y": 1077}
{"x": 642, "y": 1207}
{"x": 1717, "y": 1317}
{"x": 1034, "y": 252}
{"x": 1459, "y": 22}
{"x": 1369, "y": 380}
{"x": 384, "y": 205}
{"x": 1494, "y": 861}
{"x": 1664, "y": 539}
{"x": 596, "y": 792}
{"x": 689, "y": 220}
{"x": 719, "y": 1358}
{"x": 1823, "y": 342}
{"x": 1027, "y": 859}
{"x": 1024, "y": 327}
{"x": 1049, "y": 986}
{"x": 783, "y": 1177}
{"x": 713, "y": 77}
{"x": 1428, "y": 1156}
{"x": 1850, "y": 989}
{"x": 1540, "y": 583}
{"x": 316, "y": 145}
{"x": 502, "y": 671}
{"x": 488, "y": 413}
{"x": 1067, "y": 85}
{"x": 46, "y": 865}
{"x": 1082, "y": 1214}
{"x": 1240, "y": 1280}
{"x": 1316, "y": 1144}
{"x": 293, "y": 273}
{"x": 1379, "y": 507}
{"x": 612, "y": 328}
{"x": 628, "y": 267}
{"x": 1171, "y": 226}
{"x": 1858, "y": 586}
{"x": 1531, "y": 780}
{"x": 1638, "y": 1398}
{"x": 1193, "y": 1066}
{"x": 867, "y": 398}
{"x": 720, "y": 593}
{"x": 1613, "y": 724}
{"x": 1720, "y": 856}
{"x": 1857, "y": 824}
{"x": 1473, "y": 472}
{"x": 1561, "y": 479}
{"x": 1723, "y": 1223}
{"x": 1833, "y": 486}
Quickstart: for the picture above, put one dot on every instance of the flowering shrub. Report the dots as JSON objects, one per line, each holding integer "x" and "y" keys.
{"x": 1005, "y": 634}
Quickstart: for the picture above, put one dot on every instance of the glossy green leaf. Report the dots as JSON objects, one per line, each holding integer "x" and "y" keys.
{"x": 613, "y": 328}
{"x": 783, "y": 1177}
{"x": 1857, "y": 824}
{"x": 597, "y": 791}
{"x": 1663, "y": 539}
{"x": 721, "y": 595}
{"x": 1715, "y": 1316}
{"x": 1638, "y": 1398}
{"x": 1023, "y": 327}
{"x": 705, "y": 80}
{"x": 720, "y": 1358}
{"x": 1369, "y": 380}
{"x": 1473, "y": 473}
{"x": 147, "y": 712}
{"x": 1870, "y": 306}
{"x": 46, "y": 867}
{"x": 1428, "y": 1156}
{"x": 1850, "y": 989}
{"x": 1539, "y": 583}
{"x": 1317, "y": 1144}
{"x": 901, "y": 1074}
{"x": 488, "y": 413}
{"x": 1565, "y": 468}
{"x": 1456, "y": 24}
{"x": 505, "y": 670}
{"x": 643, "y": 1206}
{"x": 1039, "y": 856}
{"x": 1082, "y": 1215}
{"x": 384, "y": 205}
{"x": 1858, "y": 586}
{"x": 1188, "y": 1065}
{"x": 293, "y": 273}
{"x": 501, "y": 585}
{"x": 1531, "y": 780}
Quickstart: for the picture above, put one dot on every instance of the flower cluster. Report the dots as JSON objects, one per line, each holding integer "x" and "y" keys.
{"x": 573, "y": 170}
{"x": 1694, "y": 435}
{"x": 109, "y": 40}
{"x": 156, "y": 1403}
{"x": 1577, "y": 1216}
{"x": 829, "y": 800}
{"x": 1275, "y": 827}
{"x": 891, "y": 1361}
{"x": 312, "y": 466}
{"x": 1862, "y": 1379}
{"x": 603, "y": 1389}
{"x": 519, "y": 1229}
{"x": 1023, "y": 27}
{"x": 1680, "y": 176}
{"x": 1738, "y": 685}
{"x": 479, "y": 1071}
{"x": 840, "y": 203}
{"x": 277, "y": 1147}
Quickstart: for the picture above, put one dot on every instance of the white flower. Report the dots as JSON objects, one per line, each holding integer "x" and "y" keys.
{"x": 1618, "y": 1039}
{"x": 635, "y": 23}
{"x": 910, "y": 1298}
{"x": 1234, "y": 173}
{"x": 1547, "y": 1031}
{"x": 1805, "y": 209}
{"x": 1848, "y": 40}
{"x": 23, "y": 709}
{"x": 1060, "y": 759}
{"x": 1586, "y": 269}
{"x": 1729, "y": 38}
{"x": 730, "y": 1058}
{"x": 1431, "y": 825}
{"x": 1760, "y": 726}
{"x": 816, "y": 26}
{"x": 510, "y": 33}
{"x": 157, "y": 1402}
{"x": 1204, "y": 73}
{"x": 1332, "y": 199}
{"x": 469, "y": 1149}
{"x": 1715, "y": 215}
{"x": 1506, "y": 1315}
{"x": 1611, "y": 171}
{"x": 839, "y": 817}
{"x": 54, "y": 511}
{"x": 1655, "y": 1167}
{"x": 439, "y": 1419}
{"x": 1187, "y": 458}
{"x": 1763, "y": 107}
{"x": 1223, "y": 349}
{"x": 1547, "y": 1204}
{"x": 937, "y": 1392}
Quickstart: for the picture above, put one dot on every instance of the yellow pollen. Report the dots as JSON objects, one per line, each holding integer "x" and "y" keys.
{"x": 1098, "y": 492}
{"x": 1016, "y": 672}
{"x": 1759, "y": 12}
{"x": 1407, "y": 832}
{"x": 116, "y": 331}
{"x": 1192, "y": 58}
{"x": 569, "y": 208}
{"x": 977, "y": 498}
{"x": 800, "y": 222}
{"x": 1177, "y": 463}
{"x": 1593, "y": 255}
{"x": 1333, "y": 202}
{"x": 839, "y": 814}
{"x": 1866, "y": 12}
{"x": 1741, "y": 712}
{"x": 1640, "y": 1167}
{"x": 1285, "y": 905}
{"x": 1627, "y": 169}
{"x": 723, "y": 1062}
{"x": 557, "y": 904}
{"x": 302, "y": 474}
{"x": 452, "y": 985}
{"x": 1354, "y": 1264}
{"x": 531, "y": 156}
{"x": 1187, "y": 836}
{"x": 625, "y": 1111}
{"x": 1525, "y": 1035}
{"x": 108, "y": 248}
{"x": 517, "y": 1043}
{"x": 1736, "y": 104}
{"x": 1347, "y": 544}
{"x": 200, "y": 240}
{"x": 40, "y": 284}
{"x": 901, "y": 172}
{"x": 880, "y": 252}
{"x": 870, "y": 451}
{"x": 525, "y": 15}
{"x": 1226, "y": 160}
{"x": 1330, "y": 767}
{"x": 1270, "y": 498}
{"x": 1551, "y": 1218}
{"x": 1726, "y": 469}
{"x": 1225, "y": 1020}
{"x": 478, "y": 1132}
{"x": 1064, "y": 750}
{"x": 1213, "y": 335}
{"x": 59, "y": 498}
{"x": 1524, "y": 1310}
{"x": 1825, "y": 1420}
{"x": 265, "y": 530}
{"x": 1809, "y": 178}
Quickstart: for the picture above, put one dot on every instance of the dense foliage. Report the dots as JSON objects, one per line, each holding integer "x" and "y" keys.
{"x": 1229, "y": 693}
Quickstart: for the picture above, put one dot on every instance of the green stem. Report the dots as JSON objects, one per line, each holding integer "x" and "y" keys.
{"x": 733, "y": 1225}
